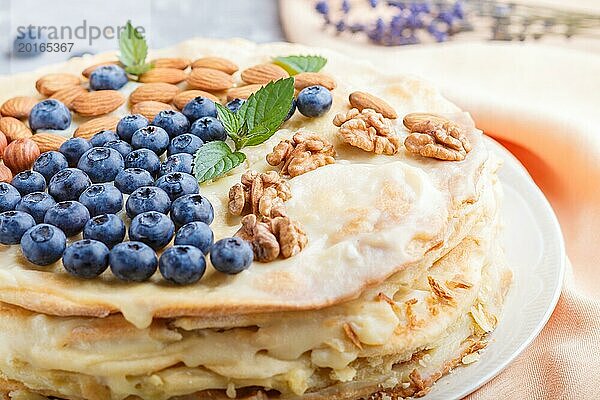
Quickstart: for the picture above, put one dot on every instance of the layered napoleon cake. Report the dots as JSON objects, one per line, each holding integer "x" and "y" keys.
{"x": 377, "y": 264}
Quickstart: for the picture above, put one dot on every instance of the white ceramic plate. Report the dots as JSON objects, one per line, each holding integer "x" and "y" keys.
{"x": 536, "y": 253}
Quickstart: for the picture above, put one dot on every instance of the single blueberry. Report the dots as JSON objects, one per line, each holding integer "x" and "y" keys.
{"x": 177, "y": 184}
{"x": 106, "y": 228}
{"x": 131, "y": 179}
{"x": 197, "y": 234}
{"x": 69, "y": 216}
{"x": 129, "y": 124}
{"x": 49, "y": 114}
{"x": 186, "y": 143}
{"x": 144, "y": 159}
{"x": 101, "y": 164}
{"x": 68, "y": 184}
{"x": 208, "y": 129}
{"x": 36, "y": 204}
{"x": 132, "y": 261}
{"x": 231, "y": 255}
{"x": 199, "y": 107}
{"x": 153, "y": 228}
{"x": 43, "y": 244}
{"x": 9, "y": 197}
{"x": 86, "y": 258}
{"x": 13, "y": 224}
{"x": 182, "y": 265}
{"x": 49, "y": 163}
{"x": 108, "y": 77}
{"x": 314, "y": 101}
{"x": 173, "y": 122}
{"x": 28, "y": 182}
{"x": 147, "y": 198}
{"x": 152, "y": 138}
{"x": 192, "y": 207}
{"x": 121, "y": 146}
{"x": 292, "y": 110}
{"x": 181, "y": 162}
{"x": 73, "y": 149}
{"x": 103, "y": 137}
{"x": 235, "y": 104}
{"x": 102, "y": 198}
{"x": 28, "y": 43}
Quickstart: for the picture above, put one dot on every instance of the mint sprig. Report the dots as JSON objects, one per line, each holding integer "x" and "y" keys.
{"x": 214, "y": 159}
{"x": 133, "y": 51}
{"x": 296, "y": 64}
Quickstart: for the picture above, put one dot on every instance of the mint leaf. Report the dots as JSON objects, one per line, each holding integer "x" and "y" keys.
{"x": 214, "y": 159}
{"x": 296, "y": 64}
{"x": 230, "y": 120}
{"x": 133, "y": 50}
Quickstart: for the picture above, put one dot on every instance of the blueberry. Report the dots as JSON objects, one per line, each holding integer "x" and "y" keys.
{"x": 73, "y": 149}
{"x": 208, "y": 129}
{"x": 199, "y": 107}
{"x": 192, "y": 207}
{"x": 50, "y": 163}
{"x": 314, "y": 101}
{"x": 129, "y": 124}
{"x": 173, "y": 122}
{"x": 292, "y": 110}
{"x": 131, "y": 179}
{"x": 102, "y": 198}
{"x": 144, "y": 159}
{"x": 152, "y": 138}
{"x": 181, "y": 162}
{"x": 147, "y": 198}
{"x": 108, "y": 77}
{"x": 177, "y": 184}
{"x": 86, "y": 258}
{"x": 121, "y": 146}
{"x": 153, "y": 228}
{"x": 186, "y": 143}
{"x": 49, "y": 114}
{"x": 231, "y": 255}
{"x": 101, "y": 164}
{"x": 197, "y": 234}
{"x": 132, "y": 261}
{"x": 28, "y": 182}
{"x": 103, "y": 137}
{"x": 9, "y": 197}
{"x": 106, "y": 228}
{"x": 28, "y": 43}
{"x": 68, "y": 184}
{"x": 182, "y": 265}
{"x": 36, "y": 204}
{"x": 235, "y": 104}
{"x": 69, "y": 216}
{"x": 13, "y": 225}
{"x": 43, "y": 244}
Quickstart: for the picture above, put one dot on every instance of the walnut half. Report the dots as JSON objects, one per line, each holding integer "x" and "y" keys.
{"x": 258, "y": 193}
{"x": 368, "y": 130}
{"x": 305, "y": 152}
{"x": 435, "y": 137}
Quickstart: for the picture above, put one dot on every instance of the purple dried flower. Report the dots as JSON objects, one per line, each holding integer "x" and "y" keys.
{"x": 446, "y": 16}
{"x": 322, "y": 7}
{"x": 373, "y": 3}
{"x": 340, "y": 26}
{"x": 345, "y": 6}
{"x": 376, "y": 34}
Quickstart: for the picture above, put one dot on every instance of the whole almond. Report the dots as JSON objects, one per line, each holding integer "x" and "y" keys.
{"x": 20, "y": 154}
{"x": 18, "y": 107}
{"x": 306, "y": 79}
{"x": 263, "y": 73}
{"x": 5, "y": 174}
{"x": 68, "y": 95}
{"x": 99, "y": 102}
{"x": 149, "y": 109}
{"x": 218, "y": 63}
{"x": 14, "y": 129}
{"x": 178, "y": 63}
{"x": 48, "y": 141}
{"x": 167, "y": 75}
{"x": 362, "y": 100}
{"x": 3, "y": 143}
{"x": 415, "y": 121}
{"x": 88, "y": 71}
{"x": 184, "y": 97}
{"x": 93, "y": 126}
{"x": 159, "y": 91}
{"x": 52, "y": 83}
{"x": 209, "y": 80}
{"x": 242, "y": 92}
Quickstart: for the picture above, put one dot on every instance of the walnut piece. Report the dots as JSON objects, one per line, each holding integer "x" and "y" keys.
{"x": 436, "y": 137}
{"x": 368, "y": 130}
{"x": 258, "y": 193}
{"x": 305, "y": 152}
{"x": 272, "y": 237}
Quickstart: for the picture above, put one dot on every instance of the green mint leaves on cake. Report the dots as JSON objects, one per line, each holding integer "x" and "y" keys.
{"x": 254, "y": 123}
{"x": 297, "y": 64}
{"x": 133, "y": 51}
